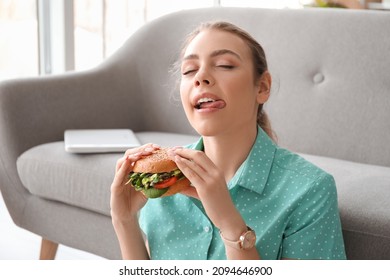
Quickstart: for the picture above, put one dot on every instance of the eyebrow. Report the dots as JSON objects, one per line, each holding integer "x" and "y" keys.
{"x": 213, "y": 54}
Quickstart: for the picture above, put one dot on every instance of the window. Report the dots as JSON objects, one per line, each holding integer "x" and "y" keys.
{"x": 101, "y": 27}
{"x": 19, "y": 39}
{"x": 88, "y": 33}
{"x": 278, "y": 4}
{"x": 79, "y": 34}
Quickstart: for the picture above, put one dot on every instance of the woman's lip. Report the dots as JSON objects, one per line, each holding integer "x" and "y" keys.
{"x": 196, "y": 98}
{"x": 207, "y": 110}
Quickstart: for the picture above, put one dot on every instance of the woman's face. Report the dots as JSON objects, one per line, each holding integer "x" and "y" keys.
{"x": 218, "y": 90}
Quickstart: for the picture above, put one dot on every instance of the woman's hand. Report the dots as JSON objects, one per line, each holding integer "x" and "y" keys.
{"x": 209, "y": 187}
{"x": 125, "y": 201}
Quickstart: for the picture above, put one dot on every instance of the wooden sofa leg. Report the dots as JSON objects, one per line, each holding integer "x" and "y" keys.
{"x": 48, "y": 250}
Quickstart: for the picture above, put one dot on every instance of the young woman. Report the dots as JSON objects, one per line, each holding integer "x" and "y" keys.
{"x": 250, "y": 198}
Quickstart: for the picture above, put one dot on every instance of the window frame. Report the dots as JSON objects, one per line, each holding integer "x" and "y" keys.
{"x": 56, "y": 36}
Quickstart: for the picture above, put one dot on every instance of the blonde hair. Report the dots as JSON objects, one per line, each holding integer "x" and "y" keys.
{"x": 260, "y": 65}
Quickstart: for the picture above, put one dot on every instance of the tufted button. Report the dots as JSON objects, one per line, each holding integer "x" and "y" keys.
{"x": 206, "y": 229}
{"x": 318, "y": 78}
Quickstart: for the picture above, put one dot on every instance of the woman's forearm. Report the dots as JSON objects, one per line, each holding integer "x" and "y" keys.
{"x": 131, "y": 241}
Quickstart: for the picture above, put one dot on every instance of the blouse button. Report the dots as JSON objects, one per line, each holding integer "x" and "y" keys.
{"x": 206, "y": 229}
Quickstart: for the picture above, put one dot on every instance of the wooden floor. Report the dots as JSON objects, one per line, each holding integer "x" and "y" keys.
{"x": 19, "y": 244}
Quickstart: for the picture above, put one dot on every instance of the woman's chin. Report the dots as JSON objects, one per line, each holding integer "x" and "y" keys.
{"x": 208, "y": 130}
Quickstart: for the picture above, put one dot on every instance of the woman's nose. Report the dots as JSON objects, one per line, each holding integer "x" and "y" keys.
{"x": 203, "y": 78}
{"x": 204, "y": 81}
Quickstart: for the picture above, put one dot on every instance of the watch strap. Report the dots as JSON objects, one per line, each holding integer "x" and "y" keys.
{"x": 237, "y": 244}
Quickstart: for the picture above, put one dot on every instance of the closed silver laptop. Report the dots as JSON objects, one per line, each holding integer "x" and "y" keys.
{"x": 99, "y": 140}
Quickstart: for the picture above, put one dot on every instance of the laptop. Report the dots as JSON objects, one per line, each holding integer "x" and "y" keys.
{"x": 99, "y": 140}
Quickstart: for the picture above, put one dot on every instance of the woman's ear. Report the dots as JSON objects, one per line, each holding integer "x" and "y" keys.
{"x": 264, "y": 83}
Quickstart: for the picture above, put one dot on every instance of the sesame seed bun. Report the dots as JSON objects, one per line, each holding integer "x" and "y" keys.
{"x": 158, "y": 162}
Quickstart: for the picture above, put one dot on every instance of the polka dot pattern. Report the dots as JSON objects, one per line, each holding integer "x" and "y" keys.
{"x": 290, "y": 203}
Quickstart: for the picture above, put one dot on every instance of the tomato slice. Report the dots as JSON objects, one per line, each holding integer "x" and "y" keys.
{"x": 165, "y": 184}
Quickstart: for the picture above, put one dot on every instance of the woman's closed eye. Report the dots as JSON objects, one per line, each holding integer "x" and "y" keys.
{"x": 193, "y": 70}
{"x": 226, "y": 66}
{"x": 189, "y": 71}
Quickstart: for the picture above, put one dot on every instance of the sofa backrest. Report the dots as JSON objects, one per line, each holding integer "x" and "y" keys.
{"x": 330, "y": 68}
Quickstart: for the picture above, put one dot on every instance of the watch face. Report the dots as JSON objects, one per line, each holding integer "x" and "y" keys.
{"x": 249, "y": 240}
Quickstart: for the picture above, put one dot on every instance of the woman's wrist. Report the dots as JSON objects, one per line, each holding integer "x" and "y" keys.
{"x": 231, "y": 231}
{"x": 131, "y": 239}
{"x": 130, "y": 221}
{"x": 234, "y": 226}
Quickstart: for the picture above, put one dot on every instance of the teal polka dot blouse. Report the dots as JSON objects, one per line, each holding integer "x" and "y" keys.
{"x": 290, "y": 203}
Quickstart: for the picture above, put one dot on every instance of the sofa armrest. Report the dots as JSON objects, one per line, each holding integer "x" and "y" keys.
{"x": 38, "y": 110}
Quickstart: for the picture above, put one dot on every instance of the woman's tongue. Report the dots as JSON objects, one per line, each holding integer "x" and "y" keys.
{"x": 219, "y": 104}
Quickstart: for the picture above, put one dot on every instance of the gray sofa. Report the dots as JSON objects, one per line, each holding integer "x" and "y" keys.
{"x": 330, "y": 103}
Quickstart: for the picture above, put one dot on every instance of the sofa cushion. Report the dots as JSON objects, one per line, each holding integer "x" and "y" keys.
{"x": 82, "y": 180}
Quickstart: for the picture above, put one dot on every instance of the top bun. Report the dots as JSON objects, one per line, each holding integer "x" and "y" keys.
{"x": 157, "y": 162}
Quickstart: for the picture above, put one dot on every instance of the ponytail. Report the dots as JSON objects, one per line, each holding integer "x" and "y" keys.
{"x": 264, "y": 123}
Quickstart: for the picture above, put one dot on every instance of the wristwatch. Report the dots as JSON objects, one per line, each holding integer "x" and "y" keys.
{"x": 246, "y": 241}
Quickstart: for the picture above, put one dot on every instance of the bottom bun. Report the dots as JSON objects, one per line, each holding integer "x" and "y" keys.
{"x": 176, "y": 187}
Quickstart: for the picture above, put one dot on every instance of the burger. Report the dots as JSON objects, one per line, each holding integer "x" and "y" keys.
{"x": 156, "y": 175}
